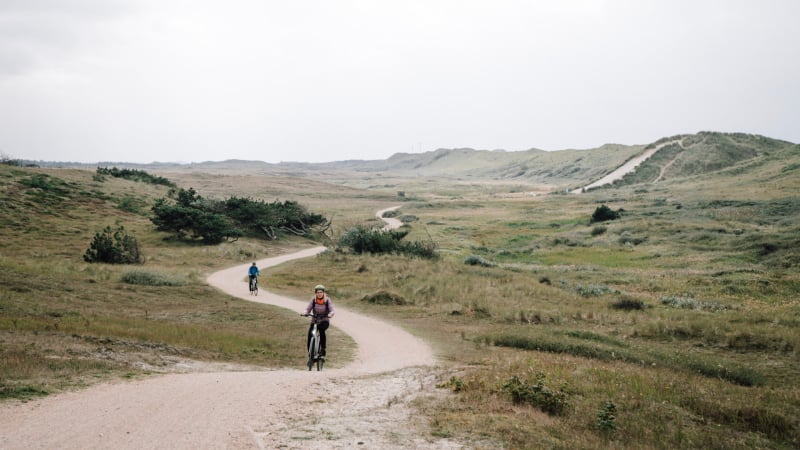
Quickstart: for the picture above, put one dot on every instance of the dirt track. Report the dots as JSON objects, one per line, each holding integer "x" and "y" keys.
{"x": 363, "y": 405}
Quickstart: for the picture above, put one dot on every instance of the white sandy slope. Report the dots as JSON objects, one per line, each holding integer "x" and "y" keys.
{"x": 363, "y": 405}
{"x": 624, "y": 169}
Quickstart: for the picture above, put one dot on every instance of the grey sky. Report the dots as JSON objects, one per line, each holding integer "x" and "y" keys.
{"x": 317, "y": 80}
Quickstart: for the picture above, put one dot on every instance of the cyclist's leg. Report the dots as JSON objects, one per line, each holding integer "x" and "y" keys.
{"x": 322, "y": 341}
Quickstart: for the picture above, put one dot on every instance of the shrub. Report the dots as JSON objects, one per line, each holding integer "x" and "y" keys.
{"x": 690, "y": 303}
{"x": 9, "y": 161}
{"x": 606, "y": 418}
{"x": 627, "y": 238}
{"x": 595, "y": 290}
{"x": 423, "y": 249}
{"x": 628, "y": 304}
{"x": 598, "y": 230}
{"x": 134, "y": 175}
{"x": 131, "y": 204}
{"x": 117, "y": 247}
{"x": 191, "y": 216}
{"x": 371, "y": 240}
{"x": 146, "y": 278}
{"x": 385, "y": 298}
{"x": 603, "y": 213}
{"x": 551, "y": 401}
{"x": 475, "y": 260}
{"x": 454, "y": 383}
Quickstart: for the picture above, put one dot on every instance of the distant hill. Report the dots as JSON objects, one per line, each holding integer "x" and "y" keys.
{"x": 688, "y": 155}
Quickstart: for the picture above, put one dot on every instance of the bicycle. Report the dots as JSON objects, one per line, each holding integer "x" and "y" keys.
{"x": 253, "y": 285}
{"x": 314, "y": 355}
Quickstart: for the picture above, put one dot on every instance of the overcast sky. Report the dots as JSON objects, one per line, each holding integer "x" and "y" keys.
{"x": 330, "y": 80}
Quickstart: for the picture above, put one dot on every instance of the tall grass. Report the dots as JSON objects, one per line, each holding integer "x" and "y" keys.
{"x": 578, "y": 321}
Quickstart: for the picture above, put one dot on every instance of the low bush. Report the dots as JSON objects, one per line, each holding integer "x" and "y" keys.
{"x": 598, "y": 230}
{"x": 385, "y": 298}
{"x": 362, "y": 239}
{"x": 690, "y": 303}
{"x": 538, "y": 394}
{"x": 475, "y": 260}
{"x": 603, "y": 213}
{"x": 628, "y": 304}
{"x": 114, "y": 247}
{"x": 606, "y": 418}
{"x": 147, "y": 278}
{"x": 595, "y": 290}
{"x": 135, "y": 175}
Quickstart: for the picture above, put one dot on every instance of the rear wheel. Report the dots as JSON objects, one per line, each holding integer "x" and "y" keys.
{"x": 253, "y": 286}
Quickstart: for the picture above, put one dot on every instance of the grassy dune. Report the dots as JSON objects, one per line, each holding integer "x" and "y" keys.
{"x": 674, "y": 326}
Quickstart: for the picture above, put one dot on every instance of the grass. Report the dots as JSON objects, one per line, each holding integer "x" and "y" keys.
{"x": 66, "y": 324}
{"x": 601, "y": 312}
{"x": 687, "y": 326}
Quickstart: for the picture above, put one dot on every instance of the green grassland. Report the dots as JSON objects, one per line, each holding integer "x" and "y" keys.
{"x": 66, "y": 323}
{"x": 674, "y": 326}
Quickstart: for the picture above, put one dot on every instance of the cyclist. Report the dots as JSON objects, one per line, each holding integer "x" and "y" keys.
{"x": 323, "y": 308}
{"x": 253, "y": 272}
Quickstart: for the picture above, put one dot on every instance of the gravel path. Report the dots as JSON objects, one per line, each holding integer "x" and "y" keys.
{"x": 363, "y": 405}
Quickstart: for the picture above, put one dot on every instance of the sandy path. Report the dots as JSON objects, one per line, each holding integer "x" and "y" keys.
{"x": 363, "y": 405}
{"x": 391, "y": 222}
{"x": 624, "y": 169}
{"x": 668, "y": 165}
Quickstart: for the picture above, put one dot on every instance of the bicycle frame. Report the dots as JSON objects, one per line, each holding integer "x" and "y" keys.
{"x": 254, "y": 286}
{"x": 314, "y": 356}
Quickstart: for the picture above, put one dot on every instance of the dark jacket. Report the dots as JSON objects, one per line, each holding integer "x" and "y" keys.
{"x": 325, "y": 309}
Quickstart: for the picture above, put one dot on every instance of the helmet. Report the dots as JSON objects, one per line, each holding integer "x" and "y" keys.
{"x": 319, "y": 287}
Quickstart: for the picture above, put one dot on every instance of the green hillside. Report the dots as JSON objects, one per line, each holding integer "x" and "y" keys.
{"x": 723, "y": 155}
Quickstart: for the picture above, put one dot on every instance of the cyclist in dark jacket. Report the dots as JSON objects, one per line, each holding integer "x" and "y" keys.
{"x": 253, "y": 272}
{"x": 323, "y": 308}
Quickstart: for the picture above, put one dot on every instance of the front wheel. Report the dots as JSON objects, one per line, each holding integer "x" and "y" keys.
{"x": 311, "y": 352}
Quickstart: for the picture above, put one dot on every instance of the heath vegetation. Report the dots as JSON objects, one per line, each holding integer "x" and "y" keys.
{"x": 674, "y": 325}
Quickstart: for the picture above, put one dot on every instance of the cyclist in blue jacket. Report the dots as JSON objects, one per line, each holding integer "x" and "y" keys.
{"x": 253, "y": 272}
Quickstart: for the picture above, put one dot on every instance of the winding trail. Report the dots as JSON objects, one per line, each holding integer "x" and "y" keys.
{"x": 251, "y": 409}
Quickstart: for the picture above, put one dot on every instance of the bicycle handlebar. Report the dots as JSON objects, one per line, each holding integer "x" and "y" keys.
{"x": 316, "y": 316}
